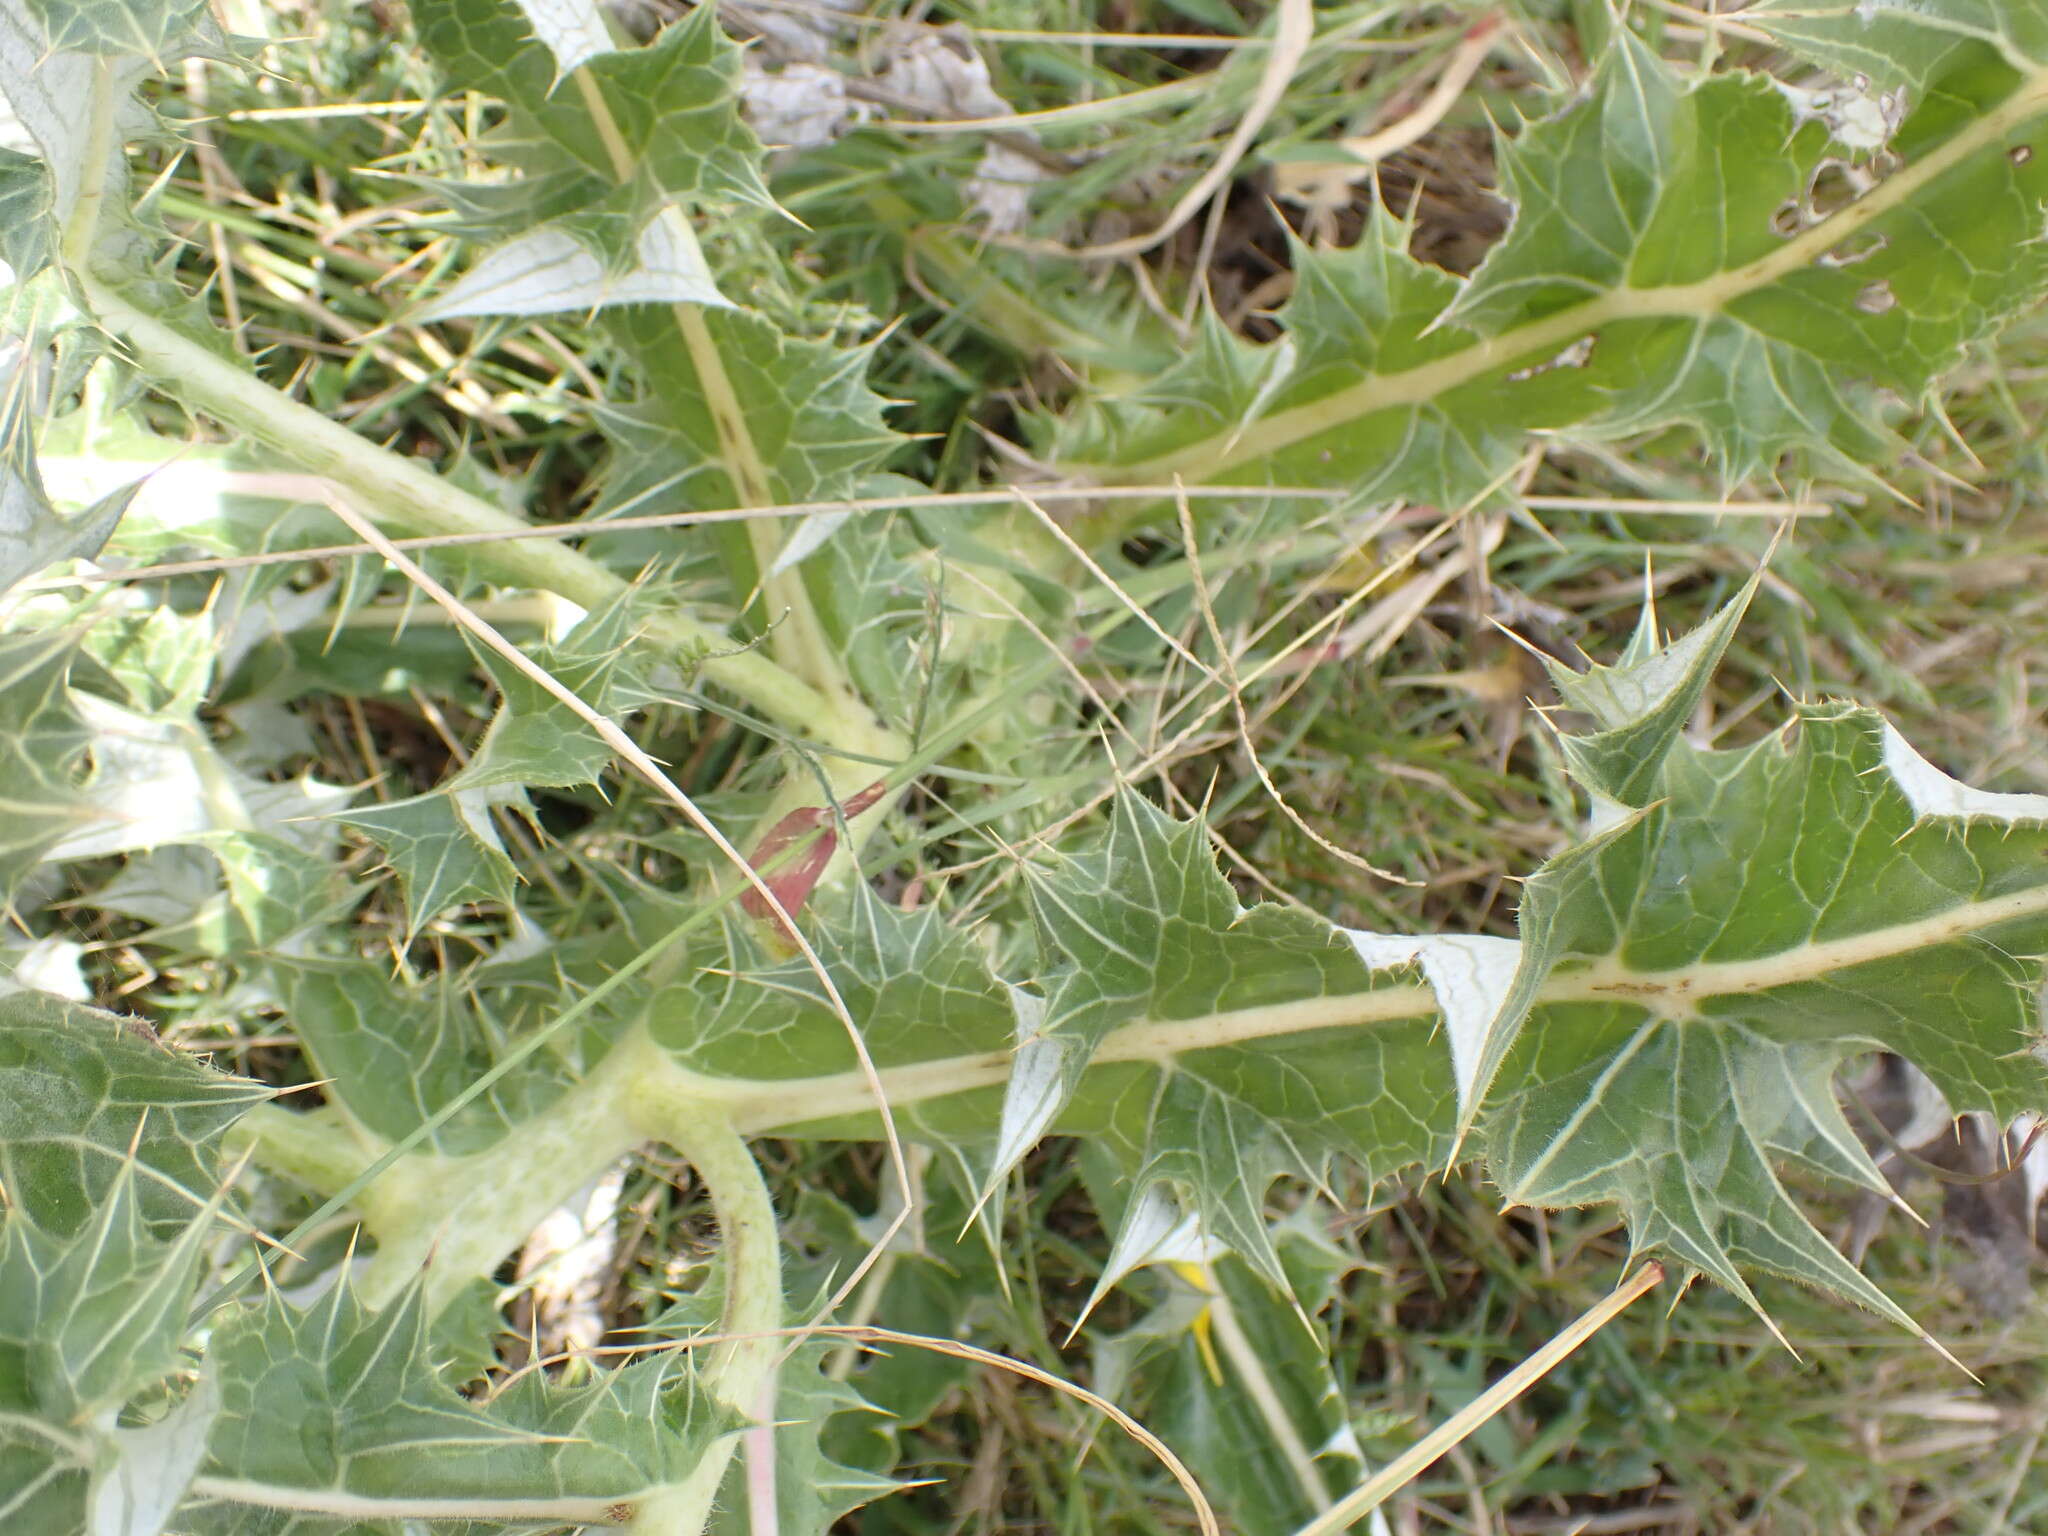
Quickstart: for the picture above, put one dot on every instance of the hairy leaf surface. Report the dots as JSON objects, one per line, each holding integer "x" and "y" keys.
{"x": 83, "y": 1094}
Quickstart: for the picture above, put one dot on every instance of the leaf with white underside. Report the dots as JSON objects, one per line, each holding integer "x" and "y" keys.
{"x": 152, "y": 1467}
{"x": 1471, "y": 974}
{"x": 44, "y": 84}
{"x": 1697, "y": 973}
{"x": 572, "y": 30}
{"x": 548, "y": 271}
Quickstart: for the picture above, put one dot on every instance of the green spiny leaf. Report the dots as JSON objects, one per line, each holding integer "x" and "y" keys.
{"x": 86, "y": 1323}
{"x": 92, "y": 1319}
{"x": 147, "y": 29}
{"x": 1666, "y": 266}
{"x": 812, "y": 1490}
{"x": 78, "y": 1089}
{"x": 1209, "y": 1048}
{"x": 1695, "y": 976}
{"x": 42, "y": 745}
{"x": 806, "y": 405}
{"x": 398, "y": 1054}
{"x": 24, "y": 214}
{"x": 1906, "y": 42}
{"x": 1144, "y": 936}
{"x": 1183, "y": 1367}
{"x": 920, "y": 988}
{"x": 1641, "y": 703}
{"x": 672, "y": 102}
{"x": 442, "y": 846}
{"x": 537, "y": 739}
{"x": 47, "y": 84}
{"x": 339, "y": 1409}
{"x": 34, "y": 534}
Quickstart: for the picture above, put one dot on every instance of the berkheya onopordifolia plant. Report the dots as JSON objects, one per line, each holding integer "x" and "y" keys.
{"x": 1730, "y": 929}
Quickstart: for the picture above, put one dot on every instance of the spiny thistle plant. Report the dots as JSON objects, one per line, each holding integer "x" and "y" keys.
{"x": 924, "y": 898}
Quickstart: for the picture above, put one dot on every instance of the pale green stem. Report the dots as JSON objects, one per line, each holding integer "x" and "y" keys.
{"x": 81, "y": 225}
{"x": 395, "y": 488}
{"x": 798, "y": 636}
{"x": 798, "y": 639}
{"x": 403, "y": 494}
{"x": 457, "y": 1217}
{"x": 313, "y": 1147}
{"x": 741, "y": 1372}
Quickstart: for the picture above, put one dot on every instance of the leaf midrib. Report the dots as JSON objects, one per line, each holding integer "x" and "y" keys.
{"x": 339, "y": 1503}
{"x": 1552, "y": 333}
{"x": 763, "y": 1105}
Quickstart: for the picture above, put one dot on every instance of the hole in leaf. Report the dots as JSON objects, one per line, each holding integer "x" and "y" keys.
{"x": 1875, "y": 298}
{"x": 1833, "y": 186}
{"x": 1849, "y": 252}
{"x": 2020, "y": 154}
{"x": 1573, "y": 356}
{"x": 1789, "y": 219}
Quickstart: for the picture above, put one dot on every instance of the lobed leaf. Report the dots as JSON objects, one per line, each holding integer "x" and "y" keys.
{"x": 34, "y": 534}
{"x": 1663, "y": 1035}
{"x": 339, "y": 1411}
{"x": 42, "y": 744}
{"x": 1711, "y": 962}
{"x": 594, "y": 183}
{"x": 806, "y": 406}
{"x": 145, "y": 29}
{"x": 83, "y": 1094}
{"x": 442, "y": 847}
{"x": 86, "y": 1323}
{"x": 399, "y": 1054}
{"x": 1669, "y": 263}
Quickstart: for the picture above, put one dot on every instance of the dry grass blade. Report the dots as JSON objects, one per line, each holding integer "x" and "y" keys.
{"x": 1234, "y": 693}
{"x": 1651, "y": 507}
{"x": 312, "y": 488}
{"x": 1450, "y": 85}
{"x": 1293, "y": 29}
{"x": 1403, "y": 1469}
